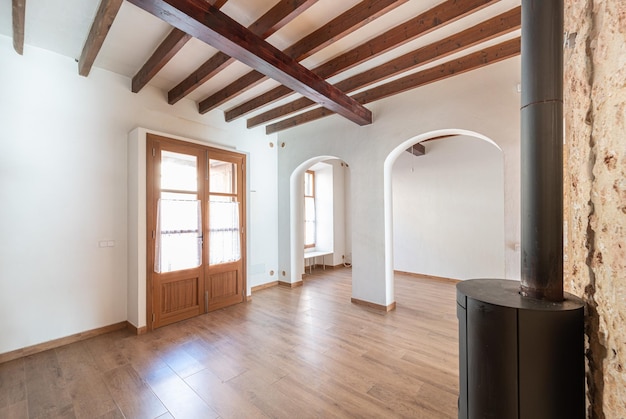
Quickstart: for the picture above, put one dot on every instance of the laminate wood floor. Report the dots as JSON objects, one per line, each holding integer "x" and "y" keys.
{"x": 289, "y": 353}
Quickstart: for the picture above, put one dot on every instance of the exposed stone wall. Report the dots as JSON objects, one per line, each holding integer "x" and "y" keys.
{"x": 595, "y": 202}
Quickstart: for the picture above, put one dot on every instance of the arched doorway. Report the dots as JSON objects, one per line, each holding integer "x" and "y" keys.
{"x": 332, "y": 208}
{"x": 390, "y": 162}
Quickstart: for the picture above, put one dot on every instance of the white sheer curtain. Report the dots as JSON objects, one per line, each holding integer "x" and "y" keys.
{"x": 224, "y": 240}
{"x": 178, "y": 235}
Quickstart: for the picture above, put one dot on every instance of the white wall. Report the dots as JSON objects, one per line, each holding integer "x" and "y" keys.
{"x": 484, "y": 101}
{"x": 63, "y": 189}
{"x": 339, "y": 211}
{"x": 448, "y": 210}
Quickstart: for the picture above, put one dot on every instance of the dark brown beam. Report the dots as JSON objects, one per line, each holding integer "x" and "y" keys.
{"x": 277, "y": 17}
{"x": 487, "y": 30}
{"x": 99, "y": 29}
{"x": 217, "y": 3}
{"x": 437, "y": 17}
{"x": 205, "y": 22}
{"x": 417, "y": 149}
{"x": 342, "y": 25}
{"x": 464, "y": 64}
{"x": 19, "y": 17}
{"x": 170, "y": 46}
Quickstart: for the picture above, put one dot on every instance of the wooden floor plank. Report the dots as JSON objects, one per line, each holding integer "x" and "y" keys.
{"x": 46, "y": 388}
{"x": 305, "y": 352}
{"x": 91, "y": 397}
{"x": 222, "y": 398}
{"x": 17, "y": 410}
{"x": 12, "y": 383}
{"x": 179, "y": 399}
{"x": 253, "y": 386}
{"x": 132, "y": 394}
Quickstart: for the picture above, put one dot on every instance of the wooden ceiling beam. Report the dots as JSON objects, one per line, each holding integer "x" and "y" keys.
{"x": 97, "y": 34}
{"x": 417, "y": 149}
{"x": 217, "y": 3}
{"x": 208, "y": 24}
{"x": 342, "y": 25}
{"x": 19, "y": 19}
{"x": 461, "y": 65}
{"x": 277, "y": 17}
{"x": 492, "y": 28}
{"x": 170, "y": 46}
{"x": 444, "y": 13}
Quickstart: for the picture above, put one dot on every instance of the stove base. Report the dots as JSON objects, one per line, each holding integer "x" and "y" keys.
{"x": 520, "y": 358}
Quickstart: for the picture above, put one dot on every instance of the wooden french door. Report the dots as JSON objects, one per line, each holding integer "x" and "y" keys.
{"x": 224, "y": 270}
{"x": 196, "y": 225}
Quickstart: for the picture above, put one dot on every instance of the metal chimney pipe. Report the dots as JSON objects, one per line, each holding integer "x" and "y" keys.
{"x": 542, "y": 150}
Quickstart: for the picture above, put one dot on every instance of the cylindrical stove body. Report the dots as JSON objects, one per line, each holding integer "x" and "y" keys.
{"x": 520, "y": 358}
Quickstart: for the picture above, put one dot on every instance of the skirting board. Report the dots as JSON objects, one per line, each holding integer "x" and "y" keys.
{"x": 52, "y": 344}
{"x": 375, "y": 306}
{"x": 424, "y": 276}
{"x": 136, "y": 330}
{"x": 264, "y": 286}
{"x": 290, "y": 284}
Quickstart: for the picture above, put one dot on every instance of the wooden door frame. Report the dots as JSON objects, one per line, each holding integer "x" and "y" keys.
{"x": 150, "y": 215}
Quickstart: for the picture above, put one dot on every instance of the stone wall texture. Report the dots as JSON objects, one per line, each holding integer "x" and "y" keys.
{"x": 595, "y": 191}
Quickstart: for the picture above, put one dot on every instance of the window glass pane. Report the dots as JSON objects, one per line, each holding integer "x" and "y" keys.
{"x": 309, "y": 221}
{"x": 222, "y": 177}
{"x": 179, "y": 235}
{"x": 179, "y": 171}
{"x": 224, "y": 240}
{"x": 308, "y": 184}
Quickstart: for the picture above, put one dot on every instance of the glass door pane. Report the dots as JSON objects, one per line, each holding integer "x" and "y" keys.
{"x": 223, "y": 177}
{"x": 179, "y": 235}
{"x": 179, "y": 172}
{"x": 224, "y": 241}
{"x": 224, "y": 213}
{"x": 179, "y": 218}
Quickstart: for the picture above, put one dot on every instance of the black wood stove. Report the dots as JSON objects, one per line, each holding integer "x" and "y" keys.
{"x": 521, "y": 345}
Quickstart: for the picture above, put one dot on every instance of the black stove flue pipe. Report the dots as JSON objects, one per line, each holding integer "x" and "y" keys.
{"x": 542, "y": 149}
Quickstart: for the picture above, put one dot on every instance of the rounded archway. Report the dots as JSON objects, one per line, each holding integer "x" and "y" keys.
{"x": 437, "y": 186}
{"x": 337, "y": 184}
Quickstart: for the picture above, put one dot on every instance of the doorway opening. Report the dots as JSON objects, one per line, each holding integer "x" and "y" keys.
{"x": 196, "y": 214}
{"x": 320, "y": 215}
{"x": 445, "y": 216}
